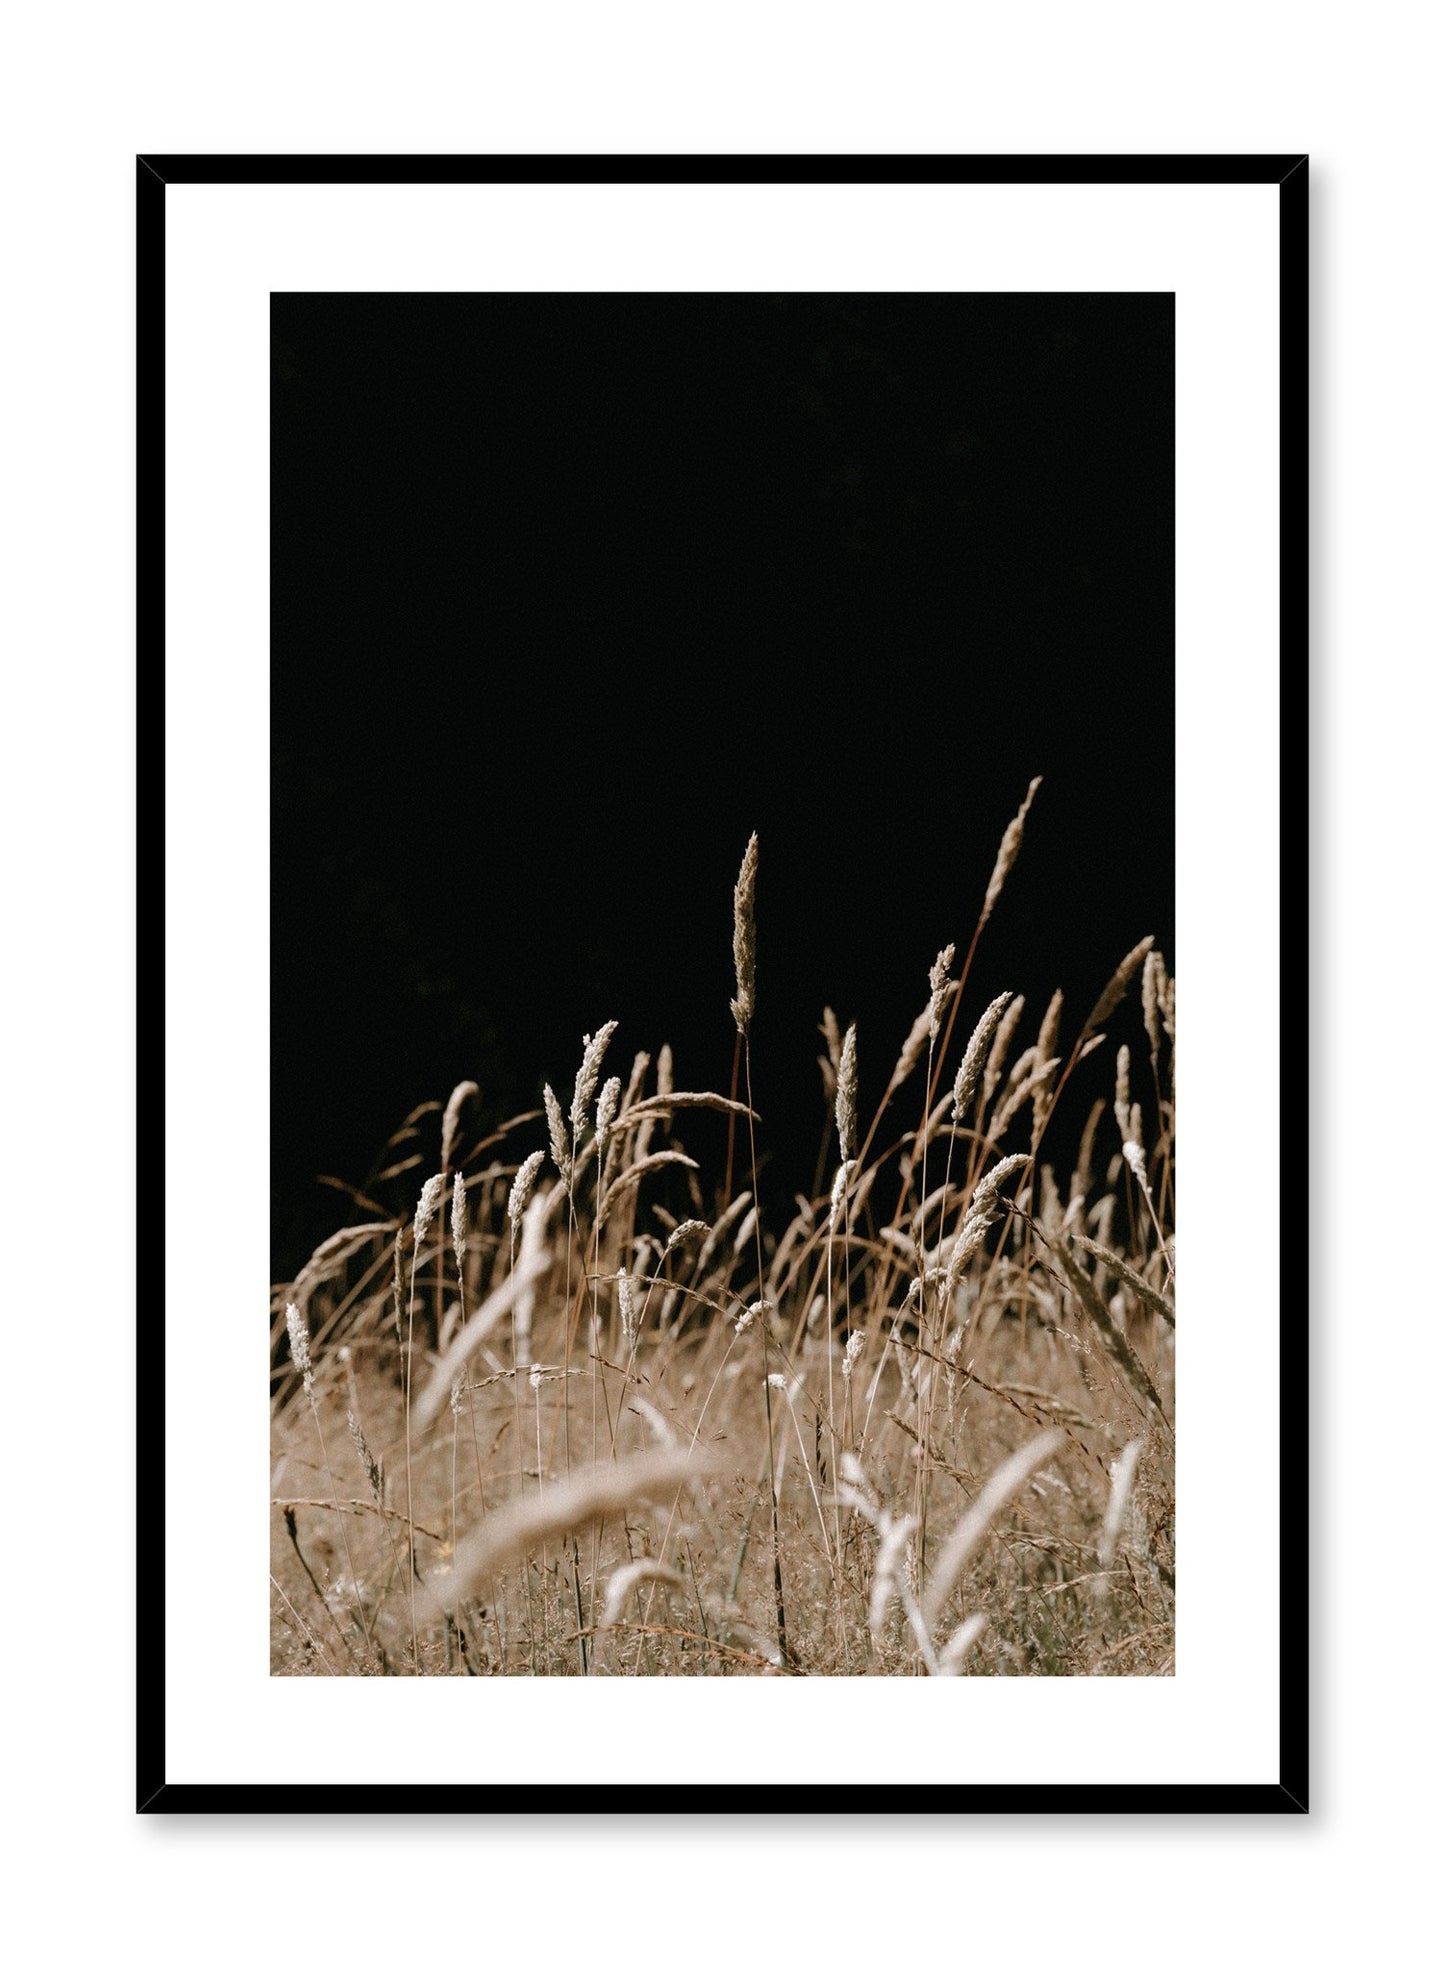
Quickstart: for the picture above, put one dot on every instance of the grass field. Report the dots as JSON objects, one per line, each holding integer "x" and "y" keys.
{"x": 560, "y": 1402}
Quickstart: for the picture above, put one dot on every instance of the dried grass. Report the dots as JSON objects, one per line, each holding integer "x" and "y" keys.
{"x": 823, "y": 1431}
{"x": 584, "y": 1499}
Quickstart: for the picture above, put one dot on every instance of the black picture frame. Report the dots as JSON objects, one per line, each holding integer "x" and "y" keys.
{"x": 155, "y": 175}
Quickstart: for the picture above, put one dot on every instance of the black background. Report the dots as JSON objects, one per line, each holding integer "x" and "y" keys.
{"x": 572, "y": 592}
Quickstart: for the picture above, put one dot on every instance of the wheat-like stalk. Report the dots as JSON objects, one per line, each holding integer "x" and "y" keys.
{"x": 588, "y": 1496}
{"x": 463, "y": 1092}
{"x": 971, "y": 1066}
{"x": 594, "y": 1046}
{"x": 459, "y": 1224}
{"x": 1115, "y": 1345}
{"x": 938, "y": 991}
{"x": 1008, "y": 850}
{"x": 557, "y": 1136}
{"x": 1113, "y": 992}
{"x": 1126, "y": 1275}
{"x": 846, "y": 1105}
{"x": 998, "y": 1052}
{"x": 967, "y": 1535}
{"x": 523, "y": 1184}
{"x": 745, "y": 940}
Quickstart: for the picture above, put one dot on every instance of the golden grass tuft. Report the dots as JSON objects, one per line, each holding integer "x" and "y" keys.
{"x": 924, "y": 1426}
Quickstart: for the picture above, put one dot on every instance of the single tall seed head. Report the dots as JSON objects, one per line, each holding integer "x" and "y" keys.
{"x": 523, "y": 1183}
{"x": 745, "y": 948}
{"x": 965, "y": 1086}
{"x": 459, "y": 1221}
{"x": 998, "y": 1052}
{"x": 840, "y": 1194}
{"x": 594, "y": 1045}
{"x": 364, "y": 1456}
{"x": 453, "y": 1116}
{"x": 1121, "y": 1092}
{"x": 1116, "y": 987}
{"x": 557, "y": 1136}
{"x": 846, "y": 1105}
{"x": 431, "y": 1195}
{"x": 1008, "y": 850}
{"x": 938, "y": 991}
{"x": 627, "y": 1304}
{"x": 1149, "y": 987}
{"x": 300, "y": 1347}
{"x": 985, "y": 1197}
{"x": 608, "y": 1102}
{"x": 913, "y": 1047}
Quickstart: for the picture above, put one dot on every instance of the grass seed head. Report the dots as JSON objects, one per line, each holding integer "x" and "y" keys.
{"x": 431, "y": 1195}
{"x": 627, "y": 1304}
{"x": 1047, "y": 1040}
{"x": 608, "y": 1102}
{"x": 364, "y": 1456}
{"x": 938, "y": 991}
{"x": 1150, "y": 991}
{"x": 1114, "y": 990}
{"x": 623, "y": 1581}
{"x": 300, "y": 1347}
{"x": 840, "y": 1194}
{"x": 1121, "y": 1092}
{"x": 969, "y": 1240}
{"x": 557, "y": 1136}
{"x": 846, "y": 1105}
{"x": 1002, "y": 1040}
{"x": 888, "y": 1570}
{"x": 985, "y": 1197}
{"x": 970, "y": 1070}
{"x": 459, "y": 1221}
{"x": 523, "y": 1183}
{"x": 1121, "y": 1484}
{"x": 745, "y": 945}
{"x": 452, "y": 1117}
{"x": 913, "y": 1047}
{"x": 1008, "y": 850}
{"x": 594, "y": 1045}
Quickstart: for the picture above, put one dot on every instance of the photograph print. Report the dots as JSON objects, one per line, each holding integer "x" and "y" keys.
{"x": 723, "y": 1156}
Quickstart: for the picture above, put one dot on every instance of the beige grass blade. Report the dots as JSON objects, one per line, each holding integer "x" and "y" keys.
{"x": 630, "y": 1178}
{"x": 1115, "y": 1344}
{"x": 505, "y": 1535}
{"x": 332, "y": 1256}
{"x": 529, "y": 1268}
{"x": 626, "y": 1578}
{"x": 964, "y": 1540}
{"x": 1121, "y": 1484}
{"x": 1126, "y": 1275}
{"x": 660, "y": 1107}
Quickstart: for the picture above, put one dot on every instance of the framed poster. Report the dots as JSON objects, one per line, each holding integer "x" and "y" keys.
{"x": 774, "y": 682}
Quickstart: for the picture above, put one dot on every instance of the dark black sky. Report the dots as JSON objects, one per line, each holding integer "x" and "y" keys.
{"x": 571, "y": 592}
